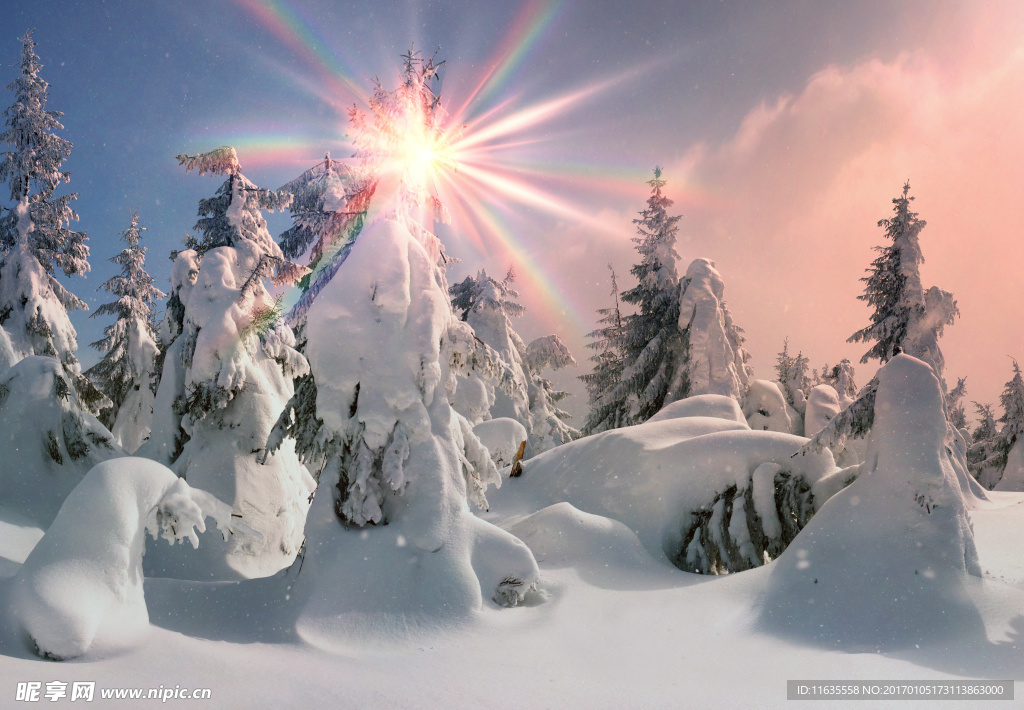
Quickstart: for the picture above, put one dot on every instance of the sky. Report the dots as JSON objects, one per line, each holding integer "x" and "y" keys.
{"x": 784, "y": 130}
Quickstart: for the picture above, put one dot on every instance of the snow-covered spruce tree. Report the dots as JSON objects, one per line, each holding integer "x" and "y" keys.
{"x": 35, "y": 235}
{"x": 982, "y": 456}
{"x": 955, "y": 404}
{"x": 840, "y": 377}
{"x": 127, "y": 372}
{"x": 384, "y": 347}
{"x": 521, "y": 393}
{"x": 792, "y": 375}
{"x": 605, "y": 411}
{"x": 654, "y": 350}
{"x": 1007, "y": 461}
{"x": 716, "y": 362}
{"x": 905, "y": 318}
{"x": 228, "y": 371}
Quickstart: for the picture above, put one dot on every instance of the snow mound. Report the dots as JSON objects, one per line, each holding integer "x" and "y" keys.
{"x": 822, "y": 405}
{"x": 704, "y": 405}
{"x": 603, "y": 550}
{"x": 82, "y": 583}
{"x": 502, "y": 437}
{"x": 657, "y": 477}
{"x": 884, "y": 562}
{"x": 47, "y": 441}
{"x": 1013, "y": 474}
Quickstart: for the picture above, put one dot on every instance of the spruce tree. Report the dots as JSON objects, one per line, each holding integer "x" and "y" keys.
{"x": 1012, "y": 420}
{"x": 905, "y": 317}
{"x": 35, "y": 236}
{"x": 653, "y": 346}
{"x": 955, "y": 405}
{"x": 127, "y": 371}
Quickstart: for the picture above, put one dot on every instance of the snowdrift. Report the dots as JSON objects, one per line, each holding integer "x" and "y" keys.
{"x": 82, "y": 583}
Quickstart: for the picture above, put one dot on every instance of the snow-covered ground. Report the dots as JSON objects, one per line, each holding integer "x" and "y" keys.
{"x": 611, "y": 628}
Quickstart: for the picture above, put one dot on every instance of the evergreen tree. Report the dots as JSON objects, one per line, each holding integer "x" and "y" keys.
{"x": 228, "y": 371}
{"x": 792, "y": 375}
{"x": 654, "y": 350}
{"x": 127, "y": 372}
{"x": 840, "y": 378}
{"x": 35, "y": 235}
{"x": 605, "y": 411}
{"x": 905, "y": 317}
{"x": 981, "y": 455}
{"x": 955, "y": 405}
{"x": 520, "y": 392}
{"x": 1012, "y": 420}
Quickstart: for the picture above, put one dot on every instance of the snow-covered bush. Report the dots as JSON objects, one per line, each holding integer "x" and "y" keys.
{"x": 883, "y": 563}
{"x": 82, "y": 583}
{"x": 127, "y": 371}
{"x": 228, "y": 371}
{"x": 47, "y": 440}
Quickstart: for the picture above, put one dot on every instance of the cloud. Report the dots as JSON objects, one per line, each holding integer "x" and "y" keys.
{"x": 788, "y": 206}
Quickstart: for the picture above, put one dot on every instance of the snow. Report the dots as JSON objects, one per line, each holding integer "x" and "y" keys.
{"x": 47, "y": 441}
{"x": 82, "y": 583}
{"x": 384, "y": 391}
{"x": 888, "y": 556}
{"x": 1013, "y": 474}
{"x": 502, "y": 437}
{"x": 652, "y": 477}
{"x": 765, "y": 408}
{"x": 703, "y": 405}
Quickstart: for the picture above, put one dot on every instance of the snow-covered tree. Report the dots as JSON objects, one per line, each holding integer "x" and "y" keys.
{"x": 792, "y": 375}
{"x": 906, "y": 317}
{"x": 955, "y": 405}
{"x": 999, "y": 459}
{"x": 716, "y": 362}
{"x": 606, "y": 412}
{"x": 982, "y": 456}
{"x": 35, "y": 236}
{"x": 520, "y": 392}
{"x": 127, "y": 372}
{"x": 840, "y": 377}
{"x": 228, "y": 371}
{"x": 385, "y": 349}
{"x": 654, "y": 351}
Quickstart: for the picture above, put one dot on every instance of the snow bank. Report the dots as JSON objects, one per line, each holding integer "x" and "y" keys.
{"x": 883, "y": 564}
{"x": 502, "y": 438}
{"x": 657, "y": 477}
{"x": 47, "y": 441}
{"x": 702, "y": 405}
{"x": 1013, "y": 474}
{"x": 399, "y": 455}
{"x": 822, "y": 405}
{"x": 82, "y": 583}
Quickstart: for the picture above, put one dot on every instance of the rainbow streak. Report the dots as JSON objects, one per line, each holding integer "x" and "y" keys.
{"x": 286, "y": 25}
{"x": 534, "y": 24}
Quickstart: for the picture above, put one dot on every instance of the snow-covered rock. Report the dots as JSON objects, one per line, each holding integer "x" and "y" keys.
{"x": 82, "y": 583}
{"x": 47, "y": 441}
{"x": 883, "y": 564}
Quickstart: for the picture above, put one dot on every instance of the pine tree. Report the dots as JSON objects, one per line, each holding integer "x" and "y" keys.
{"x": 127, "y": 372}
{"x": 982, "y": 452}
{"x": 840, "y": 378}
{"x": 605, "y": 412}
{"x": 35, "y": 235}
{"x": 905, "y": 317}
{"x": 1012, "y": 420}
{"x": 792, "y": 375}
